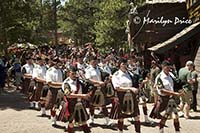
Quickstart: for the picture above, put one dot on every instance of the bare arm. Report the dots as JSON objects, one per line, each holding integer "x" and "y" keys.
{"x": 170, "y": 93}
{"x": 55, "y": 84}
{"x": 95, "y": 82}
{"x": 40, "y": 80}
{"x": 124, "y": 89}
{"x": 78, "y": 96}
{"x": 28, "y": 76}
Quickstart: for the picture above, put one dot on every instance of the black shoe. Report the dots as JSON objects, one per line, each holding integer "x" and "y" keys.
{"x": 43, "y": 115}
{"x": 54, "y": 125}
{"x": 30, "y": 107}
{"x": 87, "y": 131}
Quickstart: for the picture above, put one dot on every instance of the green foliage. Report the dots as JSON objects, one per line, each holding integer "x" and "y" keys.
{"x": 102, "y": 21}
{"x": 25, "y": 21}
{"x": 110, "y": 29}
{"x": 77, "y": 20}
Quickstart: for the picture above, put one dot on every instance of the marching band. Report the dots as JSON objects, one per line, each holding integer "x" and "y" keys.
{"x": 73, "y": 89}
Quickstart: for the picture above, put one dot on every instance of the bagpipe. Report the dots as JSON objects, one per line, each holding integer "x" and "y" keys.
{"x": 45, "y": 89}
{"x": 79, "y": 114}
{"x": 31, "y": 89}
{"x": 108, "y": 89}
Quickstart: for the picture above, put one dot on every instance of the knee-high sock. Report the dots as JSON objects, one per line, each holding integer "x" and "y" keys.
{"x": 105, "y": 111}
{"x": 91, "y": 110}
{"x": 162, "y": 122}
{"x": 177, "y": 125}
{"x": 42, "y": 104}
{"x": 120, "y": 125}
{"x": 85, "y": 128}
{"x": 70, "y": 129}
{"x": 144, "y": 110}
{"x": 137, "y": 126}
{"x": 53, "y": 113}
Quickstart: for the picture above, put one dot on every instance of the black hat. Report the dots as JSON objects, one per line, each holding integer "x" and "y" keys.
{"x": 92, "y": 58}
{"x": 79, "y": 55}
{"x": 38, "y": 58}
{"x": 28, "y": 58}
{"x": 123, "y": 60}
{"x": 55, "y": 59}
{"x": 73, "y": 68}
{"x": 166, "y": 63}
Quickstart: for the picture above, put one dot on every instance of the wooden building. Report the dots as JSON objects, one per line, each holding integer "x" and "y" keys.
{"x": 185, "y": 44}
{"x": 156, "y": 22}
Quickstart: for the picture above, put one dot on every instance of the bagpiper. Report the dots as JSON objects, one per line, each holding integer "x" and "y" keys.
{"x": 39, "y": 73}
{"x": 125, "y": 103}
{"x": 166, "y": 105}
{"x": 27, "y": 71}
{"x": 74, "y": 109}
{"x": 94, "y": 76}
{"x": 54, "y": 79}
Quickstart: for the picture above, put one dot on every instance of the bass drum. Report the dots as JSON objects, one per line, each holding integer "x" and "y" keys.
{"x": 109, "y": 90}
{"x": 44, "y": 91}
{"x": 128, "y": 103}
{"x": 59, "y": 98}
{"x": 98, "y": 98}
{"x": 80, "y": 115}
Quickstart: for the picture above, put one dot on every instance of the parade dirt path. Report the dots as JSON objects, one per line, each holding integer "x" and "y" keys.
{"x": 15, "y": 117}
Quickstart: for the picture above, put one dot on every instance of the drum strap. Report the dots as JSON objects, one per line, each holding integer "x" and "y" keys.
{"x": 65, "y": 98}
{"x": 66, "y": 105}
{"x": 77, "y": 86}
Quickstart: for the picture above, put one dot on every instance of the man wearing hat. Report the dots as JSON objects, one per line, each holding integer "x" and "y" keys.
{"x": 165, "y": 87}
{"x": 39, "y": 75}
{"x": 73, "y": 109}
{"x": 94, "y": 76}
{"x": 54, "y": 79}
{"x": 27, "y": 71}
{"x": 125, "y": 104}
{"x": 186, "y": 80}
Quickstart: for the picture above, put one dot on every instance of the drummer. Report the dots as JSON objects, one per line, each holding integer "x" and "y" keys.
{"x": 54, "y": 79}
{"x": 125, "y": 104}
{"x": 74, "y": 110}
{"x": 93, "y": 74}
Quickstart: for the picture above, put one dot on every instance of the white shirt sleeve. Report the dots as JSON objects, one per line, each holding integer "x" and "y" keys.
{"x": 63, "y": 84}
{"x": 48, "y": 77}
{"x": 115, "y": 81}
{"x": 35, "y": 73}
{"x": 87, "y": 74}
{"x": 44, "y": 73}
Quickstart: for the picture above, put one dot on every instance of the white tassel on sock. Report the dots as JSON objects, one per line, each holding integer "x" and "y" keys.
{"x": 36, "y": 105}
{"x": 43, "y": 111}
{"x": 146, "y": 118}
{"x": 53, "y": 119}
{"x": 91, "y": 120}
{"x": 31, "y": 104}
{"x": 108, "y": 122}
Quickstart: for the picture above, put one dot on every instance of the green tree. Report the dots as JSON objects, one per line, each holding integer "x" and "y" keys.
{"x": 110, "y": 29}
{"x": 77, "y": 20}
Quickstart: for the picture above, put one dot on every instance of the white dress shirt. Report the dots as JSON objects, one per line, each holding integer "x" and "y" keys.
{"x": 54, "y": 75}
{"x": 121, "y": 79}
{"x": 93, "y": 73}
{"x": 28, "y": 68}
{"x": 72, "y": 84}
{"x": 167, "y": 82}
{"x": 39, "y": 71}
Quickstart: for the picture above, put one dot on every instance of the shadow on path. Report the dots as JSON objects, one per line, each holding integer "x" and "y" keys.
{"x": 13, "y": 99}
